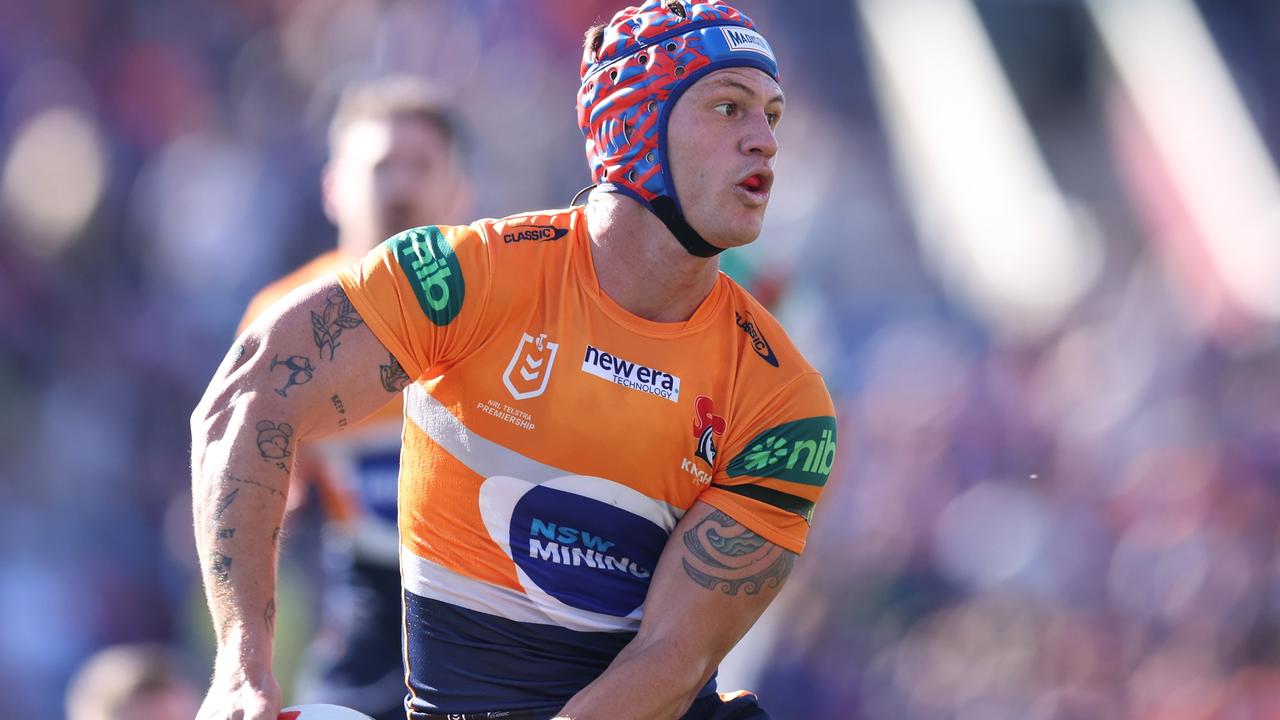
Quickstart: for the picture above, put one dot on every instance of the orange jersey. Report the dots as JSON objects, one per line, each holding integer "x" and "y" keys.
{"x": 552, "y": 442}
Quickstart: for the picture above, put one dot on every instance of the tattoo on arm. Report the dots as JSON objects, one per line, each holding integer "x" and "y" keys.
{"x": 394, "y": 378}
{"x": 327, "y": 325}
{"x": 255, "y": 483}
{"x": 226, "y": 533}
{"x": 275, "y": 535}
{"x": 300, "y": 371}
{"x": 342, "y": 411}
{"x": 225, "y": 503}
{"x": 273, "y": 442}
{"x": 241, "y": 353}
{"x": 270, "y": 614}
{"x": 221, "y": 566}
{"x": 731, "y": 558}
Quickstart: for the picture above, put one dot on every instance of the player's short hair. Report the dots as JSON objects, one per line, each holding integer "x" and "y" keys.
{"x": 391, "y": 97}
{"x": 119, "y": 674}
{"x": 594, "y": 39}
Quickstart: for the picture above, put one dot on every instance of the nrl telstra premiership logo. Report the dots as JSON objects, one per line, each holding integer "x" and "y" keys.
{"x": 530, "y": 368}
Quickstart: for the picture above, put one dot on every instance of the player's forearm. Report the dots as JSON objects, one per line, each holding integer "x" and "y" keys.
{"x": 240, "y": 473}
{"x": 658, "y": 679}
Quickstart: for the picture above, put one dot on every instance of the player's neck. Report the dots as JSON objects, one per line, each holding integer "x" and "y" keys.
{"x": 639, "y": 263}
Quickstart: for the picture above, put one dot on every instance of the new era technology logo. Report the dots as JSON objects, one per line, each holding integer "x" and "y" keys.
{"x": 530, "y": 367}
{"x": 630, "y": 374}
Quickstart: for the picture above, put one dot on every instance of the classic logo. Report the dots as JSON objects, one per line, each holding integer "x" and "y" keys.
{"x": 743, "y": 39}
{"x": 527, "y": 233}
{"x": 800, "y": 451}
{"x": 706, "y": 425}
{"x": 630, "y": 374}
{"x": 429, "y": 263}
{"x": 758, "y": 343}
{"x": 530, "y": 367}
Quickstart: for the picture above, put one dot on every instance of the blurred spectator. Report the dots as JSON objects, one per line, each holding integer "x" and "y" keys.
{"x": 132, "y": 682}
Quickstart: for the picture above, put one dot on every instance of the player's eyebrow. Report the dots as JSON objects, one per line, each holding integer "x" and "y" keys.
{"x": 747, "y": 89}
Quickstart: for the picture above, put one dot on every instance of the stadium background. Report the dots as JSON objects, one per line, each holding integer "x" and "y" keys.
{"x": 1034, "y": 246}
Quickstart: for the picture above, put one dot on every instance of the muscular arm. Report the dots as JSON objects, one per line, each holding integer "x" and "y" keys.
{"x": 306, "y": 368}
{"x": 714, "y": 579}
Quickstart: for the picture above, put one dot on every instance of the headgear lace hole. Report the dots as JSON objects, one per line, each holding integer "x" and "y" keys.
{"x": 644, "y": 59}
{"x": 679, "y": 70}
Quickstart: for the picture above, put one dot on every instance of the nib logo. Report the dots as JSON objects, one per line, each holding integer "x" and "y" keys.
{"x": 706, "y": 425}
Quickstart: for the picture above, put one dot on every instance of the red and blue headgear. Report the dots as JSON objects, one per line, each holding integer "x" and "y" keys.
{"x": 648, "y": 57}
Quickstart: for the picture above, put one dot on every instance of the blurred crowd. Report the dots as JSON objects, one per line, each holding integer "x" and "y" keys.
{"x": 1071, "y": 523}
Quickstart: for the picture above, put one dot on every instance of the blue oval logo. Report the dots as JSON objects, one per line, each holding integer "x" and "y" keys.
{"x": 585, "y": 553}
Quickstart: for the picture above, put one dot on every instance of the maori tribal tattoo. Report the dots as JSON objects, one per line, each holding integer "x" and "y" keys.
{"x": 300, "y": 371}
{"x": 270, "y": 614}
{"x": 394, "y": 378}
{"x": 327, "y": 326}
{"x": 227, "y": 533}
{"x": 732, "y": 558}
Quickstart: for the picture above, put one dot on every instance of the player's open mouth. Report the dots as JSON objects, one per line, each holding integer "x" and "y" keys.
{"x": 755, "y": 187}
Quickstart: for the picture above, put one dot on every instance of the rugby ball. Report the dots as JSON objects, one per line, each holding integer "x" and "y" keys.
{"x": 320, "y": 711}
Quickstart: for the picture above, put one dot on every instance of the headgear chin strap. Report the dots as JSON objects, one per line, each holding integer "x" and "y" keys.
{"x": 649, "y": 56}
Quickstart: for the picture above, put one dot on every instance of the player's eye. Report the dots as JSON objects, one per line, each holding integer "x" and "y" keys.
{"x": 727, "y": 109}
{"x": 773, "y": 118}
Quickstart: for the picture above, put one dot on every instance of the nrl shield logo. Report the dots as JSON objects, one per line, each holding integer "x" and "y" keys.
{"x": 530, "y": 367}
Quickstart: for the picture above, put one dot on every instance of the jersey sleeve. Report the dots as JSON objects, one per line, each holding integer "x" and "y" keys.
{"x": 423, "y": 294}
{"x": 779, "y": 460}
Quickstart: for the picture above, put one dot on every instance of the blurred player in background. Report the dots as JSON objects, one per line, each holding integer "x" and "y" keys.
{"x": 131, "y": 682}
{"x": 394, "y": 164}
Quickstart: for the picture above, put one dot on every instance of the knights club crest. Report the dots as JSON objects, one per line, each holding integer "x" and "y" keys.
{"x": 530, "y": 367}
{"x": 706, "y": 425}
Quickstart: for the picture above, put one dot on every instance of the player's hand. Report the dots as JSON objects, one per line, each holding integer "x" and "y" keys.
{"x": 234, "y": 695}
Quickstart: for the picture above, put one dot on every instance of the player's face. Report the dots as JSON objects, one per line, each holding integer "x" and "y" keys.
{"x": 721, "y": 145}
{"x": 389, "y": 175}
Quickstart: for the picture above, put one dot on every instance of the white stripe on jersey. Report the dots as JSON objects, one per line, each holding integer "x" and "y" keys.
{"x": 487, "y": 458}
